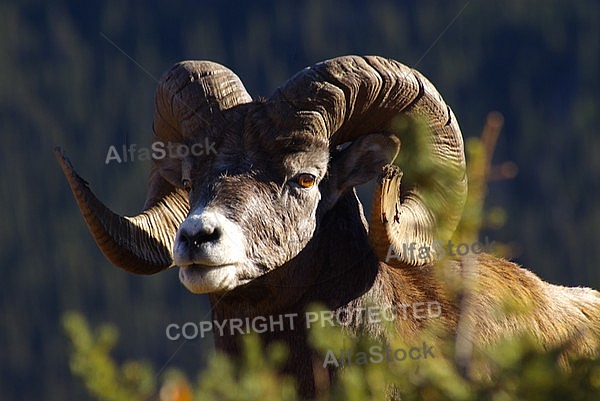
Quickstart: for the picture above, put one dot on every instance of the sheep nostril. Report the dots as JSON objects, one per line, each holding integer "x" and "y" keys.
{"x": 202, "y": 236}
{"x": 211, "y": 235}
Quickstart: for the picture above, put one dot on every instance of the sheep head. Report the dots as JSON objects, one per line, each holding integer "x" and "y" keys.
{"x": 280, "y": 166}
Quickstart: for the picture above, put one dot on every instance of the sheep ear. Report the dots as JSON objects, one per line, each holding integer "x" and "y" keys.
{"x": 360, "y": 162}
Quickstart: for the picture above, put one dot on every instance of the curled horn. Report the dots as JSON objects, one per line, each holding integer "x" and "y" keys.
{"x": 189, "y": 99}
{"x": 348, "y": 97}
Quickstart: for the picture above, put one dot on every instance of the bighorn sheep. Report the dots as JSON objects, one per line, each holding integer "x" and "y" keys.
{"x": 271, "y": 222}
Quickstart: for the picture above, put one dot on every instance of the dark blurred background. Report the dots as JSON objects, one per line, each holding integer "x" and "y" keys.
{"x": 82, "y": 75}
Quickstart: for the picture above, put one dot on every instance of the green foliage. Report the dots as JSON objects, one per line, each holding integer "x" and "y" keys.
{"x": 256, "y": 378}
{"x": 103, "y": 377}
{"x": 518, "y": 370}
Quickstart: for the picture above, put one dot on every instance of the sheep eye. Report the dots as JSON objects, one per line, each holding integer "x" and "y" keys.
{"x": 306, "y": 180}
{"x": 187, "y": 184}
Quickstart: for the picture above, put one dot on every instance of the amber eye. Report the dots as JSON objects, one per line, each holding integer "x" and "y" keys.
{"x": 306, "y": 180}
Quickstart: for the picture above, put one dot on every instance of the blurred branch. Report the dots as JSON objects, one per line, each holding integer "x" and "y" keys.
{"x": 479, "y": 170}
{"x": 102, "y": 376}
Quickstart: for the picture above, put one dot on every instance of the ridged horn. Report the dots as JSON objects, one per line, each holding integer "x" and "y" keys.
{"x": 348, "y": 97}
{"x": 189, "y": 99}
{"x": 142, "y": 244}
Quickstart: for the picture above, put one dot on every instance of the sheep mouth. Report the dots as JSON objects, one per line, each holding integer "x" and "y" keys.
{"x": 197, "y": 269}
{"x": 206, "y": 267}
{"x": 202, "y": 266}
{"x": 201, "y": 278}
